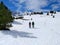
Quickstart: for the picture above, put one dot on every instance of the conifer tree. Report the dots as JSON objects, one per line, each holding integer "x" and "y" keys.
{"x": 5, "y": 17}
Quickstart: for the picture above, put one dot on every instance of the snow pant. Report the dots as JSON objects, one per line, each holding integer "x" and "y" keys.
{"x": 29, "y": 24}
{"x": 32, "y": 26}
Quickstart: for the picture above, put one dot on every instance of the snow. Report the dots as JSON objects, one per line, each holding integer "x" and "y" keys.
{"x": 46, "y": 31}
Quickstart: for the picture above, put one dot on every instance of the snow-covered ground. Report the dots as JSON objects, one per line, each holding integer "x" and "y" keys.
{"x": 46, "y": 31}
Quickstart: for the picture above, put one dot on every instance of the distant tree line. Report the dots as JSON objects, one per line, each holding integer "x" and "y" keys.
{"x": 36, "y": 13}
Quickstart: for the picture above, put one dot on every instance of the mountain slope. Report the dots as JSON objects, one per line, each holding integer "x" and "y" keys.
{"x": 46, "y": 31}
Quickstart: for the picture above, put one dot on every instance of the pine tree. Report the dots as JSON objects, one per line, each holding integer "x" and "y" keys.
{"x": 5, "y": 17}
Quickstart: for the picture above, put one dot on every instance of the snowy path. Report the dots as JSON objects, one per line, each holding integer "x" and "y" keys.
{"x": 46, "y": 32}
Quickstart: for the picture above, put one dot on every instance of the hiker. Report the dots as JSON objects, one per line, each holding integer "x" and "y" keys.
{"x": 53, "y": 16}
{"x": 32, "y": 24}
{"x": 29, "y": 24}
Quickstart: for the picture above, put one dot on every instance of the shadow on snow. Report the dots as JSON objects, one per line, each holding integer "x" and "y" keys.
{"x": 15, "y": 34}
{"x": 15, "y": 22}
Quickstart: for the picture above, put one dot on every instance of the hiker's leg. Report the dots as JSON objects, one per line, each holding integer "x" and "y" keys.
{"x": 32, "y": 26}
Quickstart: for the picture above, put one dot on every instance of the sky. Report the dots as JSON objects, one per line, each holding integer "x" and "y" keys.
{"x": 32, "y": 5}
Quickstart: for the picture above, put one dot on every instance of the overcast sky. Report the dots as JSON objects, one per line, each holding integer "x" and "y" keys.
{"x": 32, "y": 5}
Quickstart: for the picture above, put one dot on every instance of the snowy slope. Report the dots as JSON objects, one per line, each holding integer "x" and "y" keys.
{"x": 46, "y": 31}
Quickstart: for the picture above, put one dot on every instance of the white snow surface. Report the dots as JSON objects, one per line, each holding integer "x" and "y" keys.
{"x": 46, "y": 31}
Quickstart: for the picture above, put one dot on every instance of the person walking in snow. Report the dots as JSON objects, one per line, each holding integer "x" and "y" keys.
{"x": 53, "y": 16}
{"x": 29, "y": 24}
{"x": 32, "y": 24}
